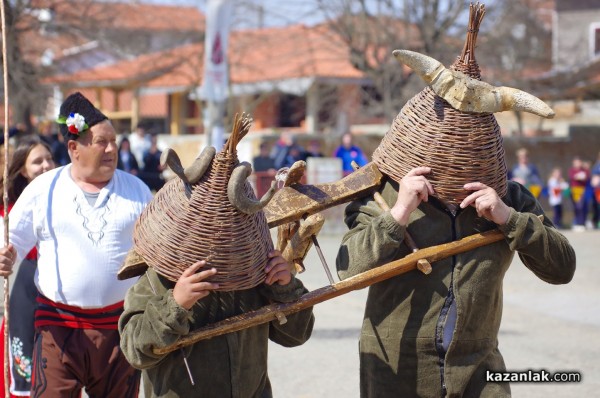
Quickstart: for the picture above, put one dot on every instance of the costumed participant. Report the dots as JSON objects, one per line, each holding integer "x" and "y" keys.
{"x": 30, "y": 158}
{"x": 436, "y": 335}
{"x": 210, "y": 259}
{"x": 81, "y": 218}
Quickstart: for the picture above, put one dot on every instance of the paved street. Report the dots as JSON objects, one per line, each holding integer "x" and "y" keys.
{"x": 555, "y": 328}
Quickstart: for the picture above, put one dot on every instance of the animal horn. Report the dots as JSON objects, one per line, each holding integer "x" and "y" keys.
{"x": 525, "y": 102}
{"x": 237, "y": 194}
{"x": 170, "y": 158}
{"x": 197, "y": 169}
{"x": 467, "y": 94}
{"x": 426, "y": 67}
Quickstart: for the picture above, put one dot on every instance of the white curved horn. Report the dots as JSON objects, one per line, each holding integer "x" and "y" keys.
{"x": 426, "y": 67}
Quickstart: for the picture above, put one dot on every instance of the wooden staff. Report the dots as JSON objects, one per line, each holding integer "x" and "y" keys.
{"x": 360, "y": 281}
{"x": 5, "y": 200}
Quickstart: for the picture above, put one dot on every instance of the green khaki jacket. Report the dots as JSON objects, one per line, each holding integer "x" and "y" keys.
{"x": 400, "y": 346}
{"x": 233, "y": 365}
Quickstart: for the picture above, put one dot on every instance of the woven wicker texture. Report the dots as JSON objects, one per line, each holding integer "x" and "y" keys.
{"x": 184, "y": 224}
{"x": 459, "y": 147}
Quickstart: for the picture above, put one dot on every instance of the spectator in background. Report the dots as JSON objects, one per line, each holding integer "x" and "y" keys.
{"x": 140, "y": 143}
{"x": 314, "y": 150}
{"x": 556, "y": 187}
{"x": 31, "y": 158}
{"x": 55, "y": 141}
{"x": 264, "y": 169}
{"x": 526, "y": 174}
{"x": 295, "y": 153}
{"x": 578, "y": 180}
{"x": 286, "y": 151}
{"x": 263, "y": 162}
{"x": 595, "y": 184}
{"x": 127, "y": 161}
{"x": 280, "y": 149}
{"x": 152, "y": 170}
{"x": 590, "y": 199}
{"x": 348, "y": 153}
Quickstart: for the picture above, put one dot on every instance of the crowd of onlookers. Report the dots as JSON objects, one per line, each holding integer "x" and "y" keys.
{"x": 577, "y": 190}
{"x": 138, "y": 152}
{"x": 579, "y": 187}
{"x": 139, "y": 155}
{"x": 286, "y": 151}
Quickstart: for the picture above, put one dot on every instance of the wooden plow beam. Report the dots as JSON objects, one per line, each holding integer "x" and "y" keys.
{"x": 360, "y": 281}
{"x": 298, "y": 201}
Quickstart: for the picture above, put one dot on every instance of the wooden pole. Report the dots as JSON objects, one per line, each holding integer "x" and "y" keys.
{"x": 5, "y": 201}
{"x": 360, "y": 281}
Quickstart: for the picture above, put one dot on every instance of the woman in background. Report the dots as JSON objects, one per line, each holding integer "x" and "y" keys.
{"x": 127, "y": 161}
{"x": 31, "y": 158}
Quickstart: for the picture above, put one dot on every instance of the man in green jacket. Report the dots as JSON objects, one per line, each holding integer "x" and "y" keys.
{"x": 234, "y": 365}
{"x": 436, "y": 335}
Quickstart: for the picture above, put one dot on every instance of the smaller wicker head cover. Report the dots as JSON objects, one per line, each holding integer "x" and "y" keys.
{"x": 208, "y": 213}
{"x": 450, "y": 127}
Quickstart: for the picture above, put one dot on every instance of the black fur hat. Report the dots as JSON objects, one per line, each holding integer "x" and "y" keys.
{"x": 77, "y": 114}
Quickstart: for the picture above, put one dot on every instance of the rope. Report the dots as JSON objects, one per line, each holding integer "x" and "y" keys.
{"x": 5, "y": 199}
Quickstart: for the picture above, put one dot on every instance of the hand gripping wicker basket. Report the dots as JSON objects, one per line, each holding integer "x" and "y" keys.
{"x": 450, "y": 127}
{"x": 192, "y": 218}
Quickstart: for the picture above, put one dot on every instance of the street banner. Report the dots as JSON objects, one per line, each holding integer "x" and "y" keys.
{"x": 216, "y": 77}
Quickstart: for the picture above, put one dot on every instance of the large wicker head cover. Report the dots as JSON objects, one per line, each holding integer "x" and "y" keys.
{"x": 450, "y": 127}
{"x": 208, "y": 213}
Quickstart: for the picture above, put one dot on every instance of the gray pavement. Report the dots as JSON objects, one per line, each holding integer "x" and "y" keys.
{"x": 555, "y": 328}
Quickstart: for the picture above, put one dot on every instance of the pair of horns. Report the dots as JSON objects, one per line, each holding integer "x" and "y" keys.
{"x": 236, "y": 186}
{"x": 195, "y": 171}
{"x": 467, "y": 94}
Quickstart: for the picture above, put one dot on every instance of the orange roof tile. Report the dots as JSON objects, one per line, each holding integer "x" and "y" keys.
{"x": 271, "y": 54}
{"x": 289, "y": 52}
{"x": 127, "y": 73}
{"x": 123, "y": 15}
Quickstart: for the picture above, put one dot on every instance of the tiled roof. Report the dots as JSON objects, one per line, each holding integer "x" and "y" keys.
{"x": 123, "y": 15}
{"x": 271, "y": 54}
{"x": 69, "y": 23}
{"x": 289, "y": 52}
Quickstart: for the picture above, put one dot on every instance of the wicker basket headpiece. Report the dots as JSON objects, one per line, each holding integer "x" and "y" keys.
{"x": 208, "y": 213}
{"x": 450, "y": 127}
